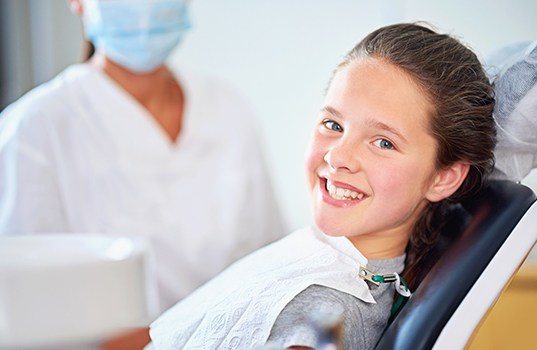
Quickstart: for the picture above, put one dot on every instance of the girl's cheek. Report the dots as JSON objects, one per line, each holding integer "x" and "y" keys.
{"x": 398, "y": 180}
{"x": 314, "y": 149}
{"x": 390, "y": 178}
{"x": 314, "y": 157}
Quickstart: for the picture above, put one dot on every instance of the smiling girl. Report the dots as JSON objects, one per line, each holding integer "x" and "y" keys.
{"x": 405, "y": 130}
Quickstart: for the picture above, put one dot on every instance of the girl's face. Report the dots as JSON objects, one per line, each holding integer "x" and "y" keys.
{"x": 371, "y": 161}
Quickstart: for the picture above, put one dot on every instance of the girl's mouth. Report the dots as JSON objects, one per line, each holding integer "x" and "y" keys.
{"x": 340, "y": 194}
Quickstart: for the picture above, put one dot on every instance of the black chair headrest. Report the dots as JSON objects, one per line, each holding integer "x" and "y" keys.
{"x": 474, "y": 233}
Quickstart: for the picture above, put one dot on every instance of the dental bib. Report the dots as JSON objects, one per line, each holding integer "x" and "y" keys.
{"x": 237, "y": 309}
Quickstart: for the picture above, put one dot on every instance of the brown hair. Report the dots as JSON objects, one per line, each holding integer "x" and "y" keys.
{"x": 88, "y": 50}
{"x": 462, "y": 124}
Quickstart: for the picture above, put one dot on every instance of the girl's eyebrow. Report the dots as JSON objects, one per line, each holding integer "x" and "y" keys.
{"x": 380, "y": 125}
{"x": 370, "y": 122}
{"x": 332, "y": 111}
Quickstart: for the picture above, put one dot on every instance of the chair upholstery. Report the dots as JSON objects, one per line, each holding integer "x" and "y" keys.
{"x": 475, "y": 233}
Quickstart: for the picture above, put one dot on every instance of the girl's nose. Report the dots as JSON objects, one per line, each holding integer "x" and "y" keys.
{"x": 342, "y": 158}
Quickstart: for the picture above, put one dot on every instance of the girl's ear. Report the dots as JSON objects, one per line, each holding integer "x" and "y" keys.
{"x": 447, "y": 181}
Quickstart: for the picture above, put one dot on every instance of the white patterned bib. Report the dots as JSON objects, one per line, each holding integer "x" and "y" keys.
{"x": 237, "y": 309}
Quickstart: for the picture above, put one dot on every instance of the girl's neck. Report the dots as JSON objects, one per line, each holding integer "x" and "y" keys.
{"x": 390, "y": 243}
{"x": 375, "y": 247}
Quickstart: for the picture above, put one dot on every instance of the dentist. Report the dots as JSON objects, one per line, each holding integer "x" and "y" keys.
{"x": 124, "y": 145}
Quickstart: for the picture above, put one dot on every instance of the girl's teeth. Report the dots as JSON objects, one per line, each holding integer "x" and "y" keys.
{"x": 342, "y": 193}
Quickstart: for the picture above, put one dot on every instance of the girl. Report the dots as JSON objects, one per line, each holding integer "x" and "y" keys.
{"x": 406, "y": 129}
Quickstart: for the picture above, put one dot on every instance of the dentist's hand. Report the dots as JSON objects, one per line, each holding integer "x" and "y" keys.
{"x": 136, "y": 339}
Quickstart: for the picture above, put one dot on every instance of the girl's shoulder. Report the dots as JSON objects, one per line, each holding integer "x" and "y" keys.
{"x": 299, "y": 323}
{"x": 311, "y": 314}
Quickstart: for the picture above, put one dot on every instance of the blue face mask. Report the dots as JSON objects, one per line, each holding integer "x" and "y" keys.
{"x": 137, "y": 34}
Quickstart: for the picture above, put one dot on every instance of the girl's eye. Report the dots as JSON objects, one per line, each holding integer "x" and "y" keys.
{"x": 332, "y": 125}
{"x": 384, "y": 144}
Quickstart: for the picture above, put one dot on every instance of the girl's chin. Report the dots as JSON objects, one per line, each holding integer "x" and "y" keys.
{"x": 330, "y": 229}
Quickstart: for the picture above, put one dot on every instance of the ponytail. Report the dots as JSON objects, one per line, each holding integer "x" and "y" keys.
{"x": 426, "y": 233}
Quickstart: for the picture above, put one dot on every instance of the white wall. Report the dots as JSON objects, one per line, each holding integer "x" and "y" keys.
{"x": 280, "y": 54}
{"x": 39, "y": 38}
{"x": 56, "y": 37}
{"x": 14, "y": 35}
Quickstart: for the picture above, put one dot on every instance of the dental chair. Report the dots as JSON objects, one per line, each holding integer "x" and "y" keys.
{"x": 486, "y": 240}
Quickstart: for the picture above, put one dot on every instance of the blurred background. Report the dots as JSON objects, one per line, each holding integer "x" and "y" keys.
{"x": 279, "y": 54}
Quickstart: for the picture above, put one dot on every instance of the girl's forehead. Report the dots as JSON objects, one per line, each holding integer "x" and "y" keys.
{"x": 374, "y": 89}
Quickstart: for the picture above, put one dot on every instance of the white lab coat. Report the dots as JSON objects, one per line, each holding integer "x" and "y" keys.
{"x": 78, "y": 154}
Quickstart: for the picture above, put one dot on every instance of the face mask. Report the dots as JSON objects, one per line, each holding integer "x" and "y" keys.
{"x": 137, "y": 34}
